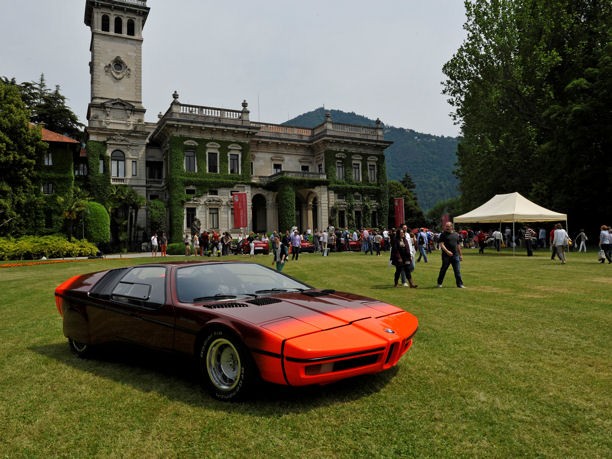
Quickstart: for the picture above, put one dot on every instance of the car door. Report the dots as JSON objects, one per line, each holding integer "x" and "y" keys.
{"x": 136, "y": 309}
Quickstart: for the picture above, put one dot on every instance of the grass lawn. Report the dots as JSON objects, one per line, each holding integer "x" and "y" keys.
{"x": 518, "y": 364}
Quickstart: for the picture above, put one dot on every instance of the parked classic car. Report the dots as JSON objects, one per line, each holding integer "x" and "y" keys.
{"x": 260, "y": 247}
{"x": 242, "y": 322}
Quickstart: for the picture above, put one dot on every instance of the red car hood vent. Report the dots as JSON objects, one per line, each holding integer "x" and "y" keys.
{"x": 264, "y": 301}
{"x": 225, "y": 305}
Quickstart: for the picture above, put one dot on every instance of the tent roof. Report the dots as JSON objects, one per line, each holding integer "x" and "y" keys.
{"x": 511, "y": 207}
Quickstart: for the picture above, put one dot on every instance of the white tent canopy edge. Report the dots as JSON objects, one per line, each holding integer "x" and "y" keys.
{"x": 510, "y": 207}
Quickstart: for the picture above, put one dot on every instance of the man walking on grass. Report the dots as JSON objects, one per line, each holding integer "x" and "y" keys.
{"x": 450, "y": 245}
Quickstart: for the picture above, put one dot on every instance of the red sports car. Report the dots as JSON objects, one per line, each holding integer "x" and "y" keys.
{"x": 260, "y": 247}
{"x": 243, "y": 322}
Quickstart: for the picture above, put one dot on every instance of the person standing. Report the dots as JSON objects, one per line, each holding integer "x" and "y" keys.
{"x": 377, "y": 242}
{"x": 163, "y": 244}
{"x": 251, "y": 240}
{"x": 273, "y": 239}
{"x": 605, "y": 243}
{"x": 422, "y": 243}
{"x": 296, "y": 245}
{"x": 187, "y": 242}
{"x": 530, "y": 236}
{"x": 481, "y": 237}
{"x": 581, "y": 239}
{"x": 450, "y": 245}
{"x": 154, "y": 245}
{"x": 542, "y": 238}
{"x": 400, "y": 258}
{"x": 196, "y": 244}
{"x": 324, "y": 241}
{"x": 497, "y": 239}
{"x": 560, "y": 240}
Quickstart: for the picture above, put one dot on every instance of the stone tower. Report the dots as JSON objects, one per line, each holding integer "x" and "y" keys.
{"x": 116, "y": 61}
{"x": 115, "y": 115}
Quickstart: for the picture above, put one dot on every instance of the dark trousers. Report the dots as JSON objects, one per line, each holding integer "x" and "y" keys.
{"x": 607, "y": 248}
{"x": 403, "y": 271}
{"x": 295, "y": 253}
{"x": 529, "y": 247}
{"x": 446, "y": 262}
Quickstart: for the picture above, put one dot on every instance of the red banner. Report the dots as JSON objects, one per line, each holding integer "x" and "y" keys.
{"x": 399, "y": 211}
{"x": 240, "y": 210}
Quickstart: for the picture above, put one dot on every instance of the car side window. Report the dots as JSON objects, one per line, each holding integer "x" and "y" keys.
{"x": 142, "y": 286}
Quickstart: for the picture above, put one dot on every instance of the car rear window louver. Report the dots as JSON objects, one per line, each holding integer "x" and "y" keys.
{"x": 225, "y": 305}
{"x": 264, "y": 301}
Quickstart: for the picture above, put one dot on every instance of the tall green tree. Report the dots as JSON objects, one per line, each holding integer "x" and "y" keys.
{"x": 48, "y": 106}
{"x": 413, "y": 214}
{"x": 73, "y": 205}
{"x": 19, "y": 143}
{"x": 530, "y": 88}
{"x": 124, "y": 205}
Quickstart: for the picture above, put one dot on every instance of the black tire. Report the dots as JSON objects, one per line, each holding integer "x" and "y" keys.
{"x": 226, "y": 367}
{"x": 80, "y": 349}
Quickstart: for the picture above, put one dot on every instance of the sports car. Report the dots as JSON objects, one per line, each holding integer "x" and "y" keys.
{"x": 242, "y": 322}
{"x": 260, "y": 247}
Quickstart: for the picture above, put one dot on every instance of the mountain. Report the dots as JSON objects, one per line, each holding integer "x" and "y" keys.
{"x": 428, "y": 159}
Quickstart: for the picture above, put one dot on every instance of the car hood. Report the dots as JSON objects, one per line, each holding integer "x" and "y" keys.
{"x": 295, "y": 314}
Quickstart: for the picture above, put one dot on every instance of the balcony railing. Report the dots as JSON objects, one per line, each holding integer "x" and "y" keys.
{"x": 210, "y": 112}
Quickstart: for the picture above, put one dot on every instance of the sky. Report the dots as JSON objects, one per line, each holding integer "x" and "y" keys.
{"x": 284, "y": 57}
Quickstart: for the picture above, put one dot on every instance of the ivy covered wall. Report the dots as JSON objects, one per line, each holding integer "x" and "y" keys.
{"x": 98, "y": 182}
{"x": 178, "y": 178}
{"x": 373, "y": 195}
{"x": 49, "y": 214}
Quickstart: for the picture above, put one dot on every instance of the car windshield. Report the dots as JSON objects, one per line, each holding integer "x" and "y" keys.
{"x": 212, "y": 281}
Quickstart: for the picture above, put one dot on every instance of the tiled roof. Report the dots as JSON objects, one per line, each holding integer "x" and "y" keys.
{"x": 50, "y": 136}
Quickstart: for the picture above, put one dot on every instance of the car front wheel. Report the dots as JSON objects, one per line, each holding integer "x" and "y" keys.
{"x": 226, "y": 368}
{"x": 80, "y": 349}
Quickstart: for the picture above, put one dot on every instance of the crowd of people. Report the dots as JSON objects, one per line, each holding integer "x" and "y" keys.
{"x": 406, "y": 246}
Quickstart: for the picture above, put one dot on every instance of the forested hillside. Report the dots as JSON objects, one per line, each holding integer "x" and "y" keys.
{"x": 428, "y": 159}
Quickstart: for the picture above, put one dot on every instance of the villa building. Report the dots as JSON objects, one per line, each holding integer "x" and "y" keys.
{"x": 195, "y": 158}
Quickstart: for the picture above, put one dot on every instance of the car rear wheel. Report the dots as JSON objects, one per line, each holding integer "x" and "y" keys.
{"x": 226, "y": 367}
{"x": 80, "y": 349}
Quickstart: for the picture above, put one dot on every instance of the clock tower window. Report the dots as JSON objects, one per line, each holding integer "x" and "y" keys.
{"x": 118, "y": 25}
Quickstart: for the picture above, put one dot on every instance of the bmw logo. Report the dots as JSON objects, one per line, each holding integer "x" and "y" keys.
{"x": 388, "y": 330}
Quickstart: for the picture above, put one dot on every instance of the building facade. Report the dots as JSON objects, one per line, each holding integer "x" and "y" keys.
{"x": 194, "y": 158}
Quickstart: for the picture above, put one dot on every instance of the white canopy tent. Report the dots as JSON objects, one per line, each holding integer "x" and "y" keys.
{"x": 510, "y": 208}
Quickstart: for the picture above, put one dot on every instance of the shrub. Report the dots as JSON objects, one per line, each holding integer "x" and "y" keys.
{"x": 176, "y": 248}
{"x": 97, "y": 223}
{"x": 33, "y": 247}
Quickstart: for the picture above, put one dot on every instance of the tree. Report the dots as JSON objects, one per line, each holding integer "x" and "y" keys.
{"x": 124, "y": 205}
{"x": 49, "y": 107}
{"x": 157, "y": 215}
{"x": 530, "y": 87}
{"x": 19, "y": 144}
{"x": 74, "y": 204}
{"x": 413, "y": 214}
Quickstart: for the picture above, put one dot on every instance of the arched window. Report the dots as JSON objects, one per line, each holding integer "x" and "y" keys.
{"x": 105, "y": 23}
{"x": 118, "y": 25}
{"x": 190, "y": 161}
{"x": 130, "y": 27}
{"x": 117, "y": 164}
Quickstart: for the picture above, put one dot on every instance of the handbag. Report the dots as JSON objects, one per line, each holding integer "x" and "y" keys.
{"x": 601, "y": 255}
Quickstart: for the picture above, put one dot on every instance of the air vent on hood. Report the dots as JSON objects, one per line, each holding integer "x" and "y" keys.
{"x": 264, "y": 301}
{"x": 319, "y": 292}
{"x": 225, "y": 305}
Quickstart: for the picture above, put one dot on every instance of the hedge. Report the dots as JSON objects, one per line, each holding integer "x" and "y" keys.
{"x": 36, "y": 247}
